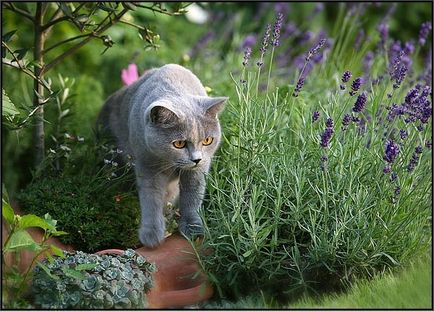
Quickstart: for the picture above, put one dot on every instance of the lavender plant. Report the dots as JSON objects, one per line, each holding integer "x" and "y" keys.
{"x": 312, "y": 191}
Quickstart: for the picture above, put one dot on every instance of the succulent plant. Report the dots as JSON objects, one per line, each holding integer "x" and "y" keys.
{"x": 90, "y": 281}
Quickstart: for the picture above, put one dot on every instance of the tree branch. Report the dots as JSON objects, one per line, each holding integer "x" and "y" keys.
{"x": 21, "y": 66}
{"x": 24, "y": 13}
{"x": 66, "y": 41}
{"x": 73, "y": 49}
{"x": 55, "y": 21}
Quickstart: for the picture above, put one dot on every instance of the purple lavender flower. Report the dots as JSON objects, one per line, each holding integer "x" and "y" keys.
{"x": 346, "y": 76}
{"x": 355, "y": 86}
{"x": 397, "y": 190}
{"x": 281, "y": 7}
{"x": 276, "y": 29}
{"x": 355, "y": 119}
{"x": 315, "y": 49}
{"x": 425, "y": 28}
{"x": 264, "y": 46}
{"x": 413, "y": 162}
{"x": 403, "y": 133}
{"x": 408, "y": 48}
{"x": 387, "y": 169}
{"x": 315, "y": 116}
{"x": 360, "y": 102}
{"x": 391, "y": 151}
{"x": 249, "y": 41}
{"x": 400, "y": 75}
{"x": 383, "y": 30}
{"x": 247, "y": 53}
{"x": 324, "y": 158}
{"x": 346, "y": 121}
{"x": 418, "y": 149}
{"x": 326, "y": 136}
{"x": 428, "y": 144}
{"x": 298, "y": 87}
{"x": 329, "y": 123}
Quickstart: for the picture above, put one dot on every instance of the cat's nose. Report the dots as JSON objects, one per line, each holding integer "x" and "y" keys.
{"x": 196, "y": 161}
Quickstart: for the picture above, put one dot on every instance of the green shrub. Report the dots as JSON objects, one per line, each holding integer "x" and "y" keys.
{"x": 94, "y": 216}
{"x": 90, "y": 281}
{"x": 286, "y": 214}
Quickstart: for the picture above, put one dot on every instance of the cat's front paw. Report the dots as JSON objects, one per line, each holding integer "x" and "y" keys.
{"x": 150, "y": 236}
{"x": 191, "y": 229}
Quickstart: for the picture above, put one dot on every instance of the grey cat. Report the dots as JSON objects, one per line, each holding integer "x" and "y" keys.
{"x": 169, "y": 126}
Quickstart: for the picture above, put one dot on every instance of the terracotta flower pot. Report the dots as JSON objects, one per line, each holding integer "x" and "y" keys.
{"x": 178, "y": 280}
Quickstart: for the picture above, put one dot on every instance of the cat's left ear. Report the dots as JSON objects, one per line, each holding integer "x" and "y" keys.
{"x": 214, "y": 105}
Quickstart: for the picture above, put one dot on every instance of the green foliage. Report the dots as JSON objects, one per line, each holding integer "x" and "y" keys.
{"x": 282, "y": 220}
{"x": 95, "y": 218}
{"x": 15, "y": 283}
{"x": 90, "y": 281}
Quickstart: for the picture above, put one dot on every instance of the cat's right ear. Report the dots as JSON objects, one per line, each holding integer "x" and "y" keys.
{"x": 162, "y": 116}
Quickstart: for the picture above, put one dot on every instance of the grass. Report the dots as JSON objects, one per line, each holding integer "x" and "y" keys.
{"x": 410, "y": 288}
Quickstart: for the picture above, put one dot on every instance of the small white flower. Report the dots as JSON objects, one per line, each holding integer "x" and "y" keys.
{"x": 114, "y": 163}
{"x": 114, "y": 175}
{"x": 107, "y": 161}
{"x": 68, "y": 136}
{"x": 65, "y": 148}
{"x": 52, "y": 151}
{"x": 80, "y": 139}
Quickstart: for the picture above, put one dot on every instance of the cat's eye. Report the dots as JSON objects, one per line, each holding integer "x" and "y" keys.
{"x": 179, "y": 144}
{"x": 207, "y": 141}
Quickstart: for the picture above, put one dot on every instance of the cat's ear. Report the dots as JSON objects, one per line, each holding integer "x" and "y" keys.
{"x": 162, "y": 116}
{"x": 214, "y": 105}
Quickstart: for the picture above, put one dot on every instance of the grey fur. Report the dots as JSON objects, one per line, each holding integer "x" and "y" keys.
{"x": 164, "y": 105}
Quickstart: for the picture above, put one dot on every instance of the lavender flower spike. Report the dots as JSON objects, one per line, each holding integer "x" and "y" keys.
{"x": 360, "y": 102}
{"x": 346, "y": 76}
{"x": 315, "y": 49}
{"x": 391, "y": 151}
{"x": 425, "y": 28}
{"x": 326, "y": 136}
{"x": 276, "y": 29}
{"x": 247, "y": 53}
{"x": 355, "y": 86}
{"x": 264, "y": 46}
{"x": 315, "y": 116}
{"x": 298, "y": 87}
{"x": 346, "y": 121}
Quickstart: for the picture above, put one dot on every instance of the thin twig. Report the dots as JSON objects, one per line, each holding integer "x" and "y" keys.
{"x": 66, "y": 41}
{"x": 132, "y": 24}
{"x": 19, "y": 11}
{"x": 159, "y": 10}
{"x": 70, "y": 51}
{"x": 21, "y": 66}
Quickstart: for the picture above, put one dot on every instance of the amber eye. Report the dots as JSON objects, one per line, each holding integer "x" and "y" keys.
{"x": 207, "y": 141}
{"x": 179, "y": 144}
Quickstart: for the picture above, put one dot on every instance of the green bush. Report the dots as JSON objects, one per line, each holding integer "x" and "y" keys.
{"x": 286, "y": 214}
{"x": 90, "y": 281}
{"x": 95, "y": 217}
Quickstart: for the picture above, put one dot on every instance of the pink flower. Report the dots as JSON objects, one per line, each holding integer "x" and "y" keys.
{"x": 130, "y": 75}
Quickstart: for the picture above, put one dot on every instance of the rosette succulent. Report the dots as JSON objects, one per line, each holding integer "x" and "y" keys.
{"x": 89, "y": 281}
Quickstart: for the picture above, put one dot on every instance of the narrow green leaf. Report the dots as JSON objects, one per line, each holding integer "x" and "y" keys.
{"x": 45, "y": 268}
{"x": 74, "y": 274}
{"x": 8, "y": 212}
{"x": 21, "y": 53}
{"x": 86, "y": 266}
{"x": 57, "y": 251}
{"x": 58, "y": 233}
{"x": 7, "y": 37}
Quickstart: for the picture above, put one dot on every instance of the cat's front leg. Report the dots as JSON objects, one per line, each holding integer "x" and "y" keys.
{"x": 191, "y": 193}
{"x": 152, "y": 191}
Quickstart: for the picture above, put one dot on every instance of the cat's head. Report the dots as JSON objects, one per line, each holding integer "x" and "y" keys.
{"x": 184, "y": 135}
